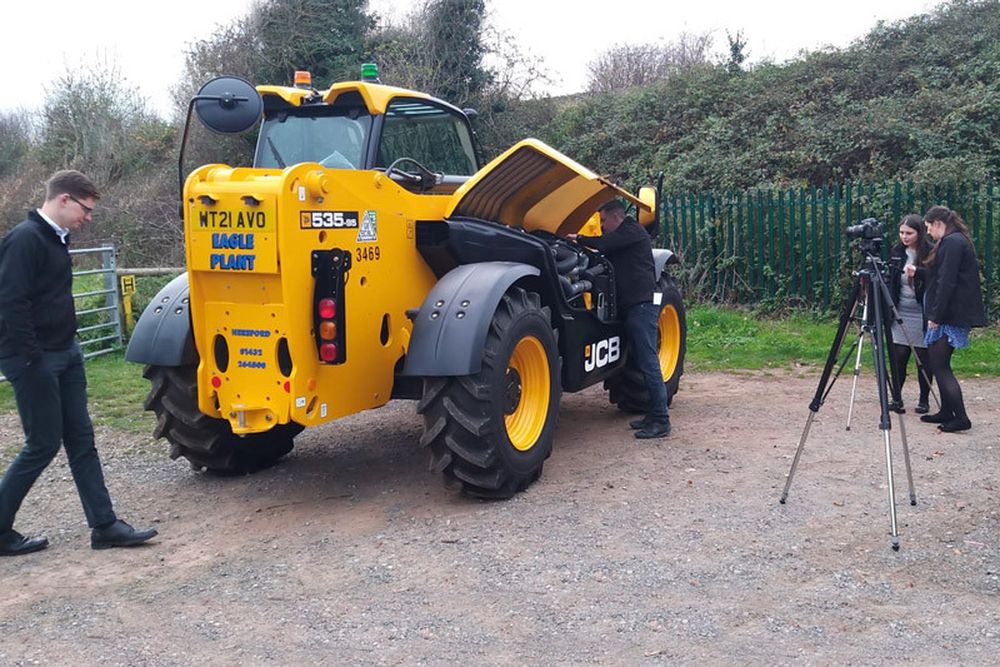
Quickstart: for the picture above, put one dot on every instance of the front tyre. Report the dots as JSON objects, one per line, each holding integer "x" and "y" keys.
{"x": 206, "y": 442}
{"x": 627, "y": 389}
{"x": 491, "y": 432}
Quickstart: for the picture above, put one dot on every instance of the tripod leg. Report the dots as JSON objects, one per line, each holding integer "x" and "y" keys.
{"x": 892, "y": 492}
{"x": 831, "y": 361}
{"x": 885, "y": 383}
{"x": 906, "y": 459}
{"x": 863, "y": 299}
{"x": 854, "y": 385}
{"x": 921, "y": 368}
{"x": 795, "y": 461}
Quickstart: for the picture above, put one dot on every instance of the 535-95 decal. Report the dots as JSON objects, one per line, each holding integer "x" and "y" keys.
{"x": 328, "y": 220}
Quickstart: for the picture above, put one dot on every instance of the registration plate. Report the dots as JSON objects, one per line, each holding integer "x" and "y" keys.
{"x": 235, "y": 220}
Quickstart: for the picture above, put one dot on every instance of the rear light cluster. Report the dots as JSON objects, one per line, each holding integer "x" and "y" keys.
{"x": 329, "y": 268}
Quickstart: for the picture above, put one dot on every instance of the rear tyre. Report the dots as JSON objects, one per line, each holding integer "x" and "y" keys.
{"x": 489, "y": 433}
{"x": 627, "y": 389}
{"x": 206, "y": 442}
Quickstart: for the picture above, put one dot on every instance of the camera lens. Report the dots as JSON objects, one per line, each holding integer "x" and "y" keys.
{"x": 869, "y": 228}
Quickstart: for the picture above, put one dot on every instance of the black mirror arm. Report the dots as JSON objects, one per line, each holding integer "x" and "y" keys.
{"x": 226, "y": 101}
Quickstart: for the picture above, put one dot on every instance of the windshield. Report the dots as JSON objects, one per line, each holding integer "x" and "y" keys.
{"x": 336, "y": 138}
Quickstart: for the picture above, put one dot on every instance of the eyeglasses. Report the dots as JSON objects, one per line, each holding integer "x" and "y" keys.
{"x": 86, "y": 209}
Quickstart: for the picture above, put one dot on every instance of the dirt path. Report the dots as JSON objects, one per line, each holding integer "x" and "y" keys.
{"x": 674, "y": 551}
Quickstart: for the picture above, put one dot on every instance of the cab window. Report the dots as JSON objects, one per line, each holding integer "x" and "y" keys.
{"x": 435, "y": 137}
{"x": 334, "y": 137}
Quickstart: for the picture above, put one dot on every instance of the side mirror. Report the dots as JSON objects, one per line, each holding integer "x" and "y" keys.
{"x": 228, "y": 105}
{"x": 647, "y": 195}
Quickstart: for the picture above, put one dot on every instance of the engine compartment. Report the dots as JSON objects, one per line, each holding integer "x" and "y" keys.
{"x": 586, "y": 277}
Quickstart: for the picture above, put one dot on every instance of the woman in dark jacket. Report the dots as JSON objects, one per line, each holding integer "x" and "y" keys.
{"x": 908, "y": 296}
{"x": 953, "y": 304}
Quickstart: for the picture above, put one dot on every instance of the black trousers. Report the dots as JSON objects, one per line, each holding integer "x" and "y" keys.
{"x": 641, "y": 325}
{"x": 51, "y": 396}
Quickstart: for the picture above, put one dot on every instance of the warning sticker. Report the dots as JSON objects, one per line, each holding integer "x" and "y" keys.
{"x": 369, "y": 228}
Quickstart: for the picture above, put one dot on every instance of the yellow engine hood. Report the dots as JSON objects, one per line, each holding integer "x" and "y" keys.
{"x": 536, "y": 187}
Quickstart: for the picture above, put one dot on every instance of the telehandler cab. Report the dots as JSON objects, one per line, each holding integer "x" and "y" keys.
{"x": 366, "y": 256}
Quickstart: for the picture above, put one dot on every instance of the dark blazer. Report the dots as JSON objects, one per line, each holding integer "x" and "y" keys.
{"x": 36, "y": 291}
{"x": 953, "y": 294}
{"x": 896, "y": 278}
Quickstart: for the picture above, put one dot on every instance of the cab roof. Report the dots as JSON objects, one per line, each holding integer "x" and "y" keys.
{"x": 375, "y": 95}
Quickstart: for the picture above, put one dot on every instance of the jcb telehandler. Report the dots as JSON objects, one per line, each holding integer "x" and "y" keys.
{"x": 367, "y": 256}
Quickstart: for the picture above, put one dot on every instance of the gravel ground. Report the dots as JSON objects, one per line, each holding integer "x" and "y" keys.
{"x": 673, "y": 551}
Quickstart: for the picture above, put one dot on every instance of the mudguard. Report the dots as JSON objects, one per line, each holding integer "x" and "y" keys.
{"x": 449, "y": 332}
{"x": 661, "y": 258}
{"x": 162, "y": 337}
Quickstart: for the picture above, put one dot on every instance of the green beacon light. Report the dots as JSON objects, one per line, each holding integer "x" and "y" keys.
{"x": 369, "y": 72}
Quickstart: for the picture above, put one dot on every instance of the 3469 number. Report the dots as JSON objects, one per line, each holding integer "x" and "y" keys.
{"x": 367, "y": 253}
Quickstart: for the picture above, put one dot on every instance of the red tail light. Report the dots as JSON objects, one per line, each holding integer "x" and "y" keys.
{"x": 327, "y": 309}
{"x": 330, "y": 269}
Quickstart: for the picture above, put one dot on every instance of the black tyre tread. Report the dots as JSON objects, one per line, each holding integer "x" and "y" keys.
{"x": 207, "y": 442}
{"x": 627, "y": 389}
{"x": 463, "y": 439}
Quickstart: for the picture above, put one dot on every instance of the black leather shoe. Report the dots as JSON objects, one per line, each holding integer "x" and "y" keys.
{"x": 956, "y": 424}
{"x": 937, "y": 418}
{"x": 637, "y": 424}
{"x": 653, "y": 430}
{"x": 922, "y": 408}
{"x": 119, "y": 534}
{"x": 13, "y": 543}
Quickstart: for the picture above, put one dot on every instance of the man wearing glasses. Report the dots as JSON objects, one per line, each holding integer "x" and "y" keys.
{"x": 40, "y": 356}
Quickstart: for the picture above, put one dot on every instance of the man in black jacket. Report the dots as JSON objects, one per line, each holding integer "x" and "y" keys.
{"x": 627, "y": 245}
{"x": 40, "y": 356}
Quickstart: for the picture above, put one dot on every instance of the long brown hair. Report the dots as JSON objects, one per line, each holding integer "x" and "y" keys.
{"x": 916, "y": 223}
{"x": 952, "y": 223}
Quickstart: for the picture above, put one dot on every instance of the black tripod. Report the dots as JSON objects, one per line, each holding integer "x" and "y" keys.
{"x": 869, "y": 290}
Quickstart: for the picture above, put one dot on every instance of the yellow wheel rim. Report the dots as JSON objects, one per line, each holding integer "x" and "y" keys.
{"x": 526, "y": 393}
{"x": 670, "y": 341}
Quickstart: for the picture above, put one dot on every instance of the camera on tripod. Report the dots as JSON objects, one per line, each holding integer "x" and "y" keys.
{"x": 867, "y": 229}
{"x": 870, "y": 232}
{"x": 870, "y": 306}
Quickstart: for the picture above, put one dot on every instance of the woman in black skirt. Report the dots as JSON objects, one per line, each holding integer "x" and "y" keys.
{"x": 908, "y": 296}
{"x": 953, "y": 304}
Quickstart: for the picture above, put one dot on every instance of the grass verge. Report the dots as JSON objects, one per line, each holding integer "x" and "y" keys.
{"x": 719, "y": 339}
{"x": 727, "y": 339}
{"x": 116, "y": 391}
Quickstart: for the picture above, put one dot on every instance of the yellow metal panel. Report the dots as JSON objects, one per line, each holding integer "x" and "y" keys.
{"x": 376, "y": 96}
{"x": 593, "y": 226}
{"x": 293, "y": 96}
{"x": 254, "y": 309}
{"x": 536, "y": 187}
{"x": 227, "y": 234}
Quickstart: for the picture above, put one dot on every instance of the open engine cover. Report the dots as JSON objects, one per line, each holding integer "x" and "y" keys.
{"x": 536, "y": 187}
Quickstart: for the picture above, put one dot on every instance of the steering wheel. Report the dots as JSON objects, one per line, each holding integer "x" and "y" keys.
{"x": 424, "y": 177}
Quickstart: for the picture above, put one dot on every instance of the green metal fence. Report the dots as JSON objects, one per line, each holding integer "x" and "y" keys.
{"x": 789, "y": 245}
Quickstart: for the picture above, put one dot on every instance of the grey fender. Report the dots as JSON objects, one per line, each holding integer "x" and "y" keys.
{"x": 449, "y": 332}
{"x": 162, "y": 336}
{"x": 661, "y": 258}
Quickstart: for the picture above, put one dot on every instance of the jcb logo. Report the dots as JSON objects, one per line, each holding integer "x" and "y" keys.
{"x": 601, "y": 353}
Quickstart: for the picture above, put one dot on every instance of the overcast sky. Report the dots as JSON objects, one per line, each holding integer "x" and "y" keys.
{"x": 147, "y": 39}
